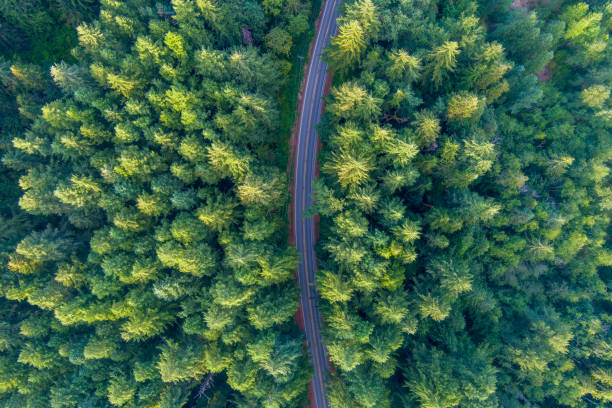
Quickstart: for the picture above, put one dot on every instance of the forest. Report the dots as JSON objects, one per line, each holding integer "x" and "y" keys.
{"x": 465, "y": 204}
{"x": 144, "y": 251}
{"x": 464, "y": 199}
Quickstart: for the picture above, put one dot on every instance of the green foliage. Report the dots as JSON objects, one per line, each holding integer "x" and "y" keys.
{"x": 41, "y": 31}
{"x": 464, "y": 202}
{"x": 148, "y": 247}
{"x": 356, "y": 29}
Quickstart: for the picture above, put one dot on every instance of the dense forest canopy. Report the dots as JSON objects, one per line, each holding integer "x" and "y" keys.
{"x": 465, "y": 200}
{"x": 465, "y": 204}
{"x": 145, "y": 262}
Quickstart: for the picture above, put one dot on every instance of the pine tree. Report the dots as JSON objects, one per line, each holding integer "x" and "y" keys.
{"x": 347, "y": 46}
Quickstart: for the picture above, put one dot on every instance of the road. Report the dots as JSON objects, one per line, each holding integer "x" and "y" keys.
{"x": 305, "y": 164}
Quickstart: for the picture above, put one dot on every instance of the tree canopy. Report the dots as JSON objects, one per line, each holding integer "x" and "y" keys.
{"x": 145, "y": 263}
{"x": 464, "y": 200}
{"x": 465, "y": 205}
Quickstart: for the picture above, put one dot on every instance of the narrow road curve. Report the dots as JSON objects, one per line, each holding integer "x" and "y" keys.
{"x": 305, "y": 164}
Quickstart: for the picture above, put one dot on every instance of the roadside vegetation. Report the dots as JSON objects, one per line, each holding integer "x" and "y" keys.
{"x": 465, "y": 205}
{"x": 144, "y": 253}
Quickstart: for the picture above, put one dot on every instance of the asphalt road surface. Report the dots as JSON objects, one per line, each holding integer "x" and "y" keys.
{"x": 305, "y": 164}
